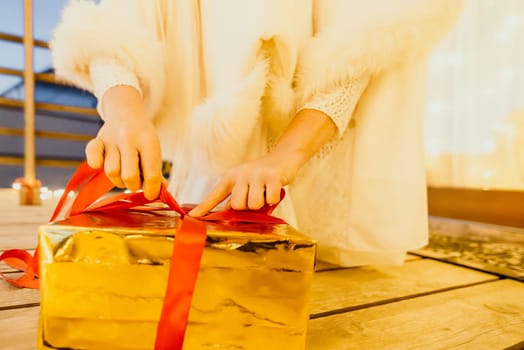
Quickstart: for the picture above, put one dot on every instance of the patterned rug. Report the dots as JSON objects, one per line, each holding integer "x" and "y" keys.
{"x": 490, "y": 248}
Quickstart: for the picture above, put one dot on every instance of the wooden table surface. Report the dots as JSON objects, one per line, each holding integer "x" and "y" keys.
{"x": 424, "y": 304}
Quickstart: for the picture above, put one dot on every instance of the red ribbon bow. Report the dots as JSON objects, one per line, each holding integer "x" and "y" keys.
{"x": 189, "y": 244}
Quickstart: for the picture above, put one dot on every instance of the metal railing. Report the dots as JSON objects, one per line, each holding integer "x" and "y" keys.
{"x": 29, "y": 105}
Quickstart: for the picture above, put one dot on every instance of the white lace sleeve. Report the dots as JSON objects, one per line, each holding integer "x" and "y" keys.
{"x": 339, "y": 104}
{"x": 107, "y": 73}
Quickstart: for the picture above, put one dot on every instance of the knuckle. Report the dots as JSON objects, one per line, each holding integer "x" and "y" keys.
{"x": 89, "y": 147}
{"x": 256, "y": 202}
{"x": 216, "y": 193}
{"x": 132, "y": 186}
{"x": 95, "y": 164}
{"x": 95, "y": 144}
{"x": 242, "y": 167}
{"x": 270, "y": 198}
{"x": 271, "y": 175}
{"x": 93, "y": 159}
{"x": 231, "y": 176}
{"x": 131, "y": 179}
{"x": 117, "y": 181}
{"x": 128, "y": 176}
{"x": 92, "y": 152}
{"x": 92, "y": 142}
{"x": 262, "y": 175}
{"x": 153, "y": 179}
{"x": 256, "y": 205}
{"x": 112, "y": 171}
{"x": 273, "y": 200}
{"x": 238, "y": 206}
{"x": 150, "y": 194}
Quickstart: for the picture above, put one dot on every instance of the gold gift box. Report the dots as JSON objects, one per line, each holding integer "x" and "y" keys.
{"x": 104, "y": 275}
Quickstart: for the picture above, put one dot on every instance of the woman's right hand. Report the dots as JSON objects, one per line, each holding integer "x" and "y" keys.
{"x": 127, "y": 145}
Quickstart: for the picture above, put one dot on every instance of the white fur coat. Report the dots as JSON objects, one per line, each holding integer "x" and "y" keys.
{"x": 223, "y": 79}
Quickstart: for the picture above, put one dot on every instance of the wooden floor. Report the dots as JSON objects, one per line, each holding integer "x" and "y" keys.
{"x": 424, "y": 304}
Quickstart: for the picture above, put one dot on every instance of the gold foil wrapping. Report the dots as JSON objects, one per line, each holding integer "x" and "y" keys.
{"x": 102, "y": 287}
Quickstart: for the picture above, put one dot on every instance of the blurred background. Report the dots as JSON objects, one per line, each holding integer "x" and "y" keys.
{"x": 474, "y": 108}
{"x": 475, "y": 100}
{"x": 61, "y": 132}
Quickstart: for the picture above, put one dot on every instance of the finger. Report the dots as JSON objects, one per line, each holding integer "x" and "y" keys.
{"x": 151, "y": 166}
{"x": 256, "y": 198}
{"x": 228, "y": 205}
{"x": 239, "y": 196}
{"x": 219, "y": 193}
{"x": 95, "y": 153}
{"x": 130, "y": 169}
{"x": 273, "y": 192}
{"x": 112, "y": 166}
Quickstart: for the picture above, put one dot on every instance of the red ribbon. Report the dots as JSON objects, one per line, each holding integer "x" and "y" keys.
{"x": 189, "y": 244}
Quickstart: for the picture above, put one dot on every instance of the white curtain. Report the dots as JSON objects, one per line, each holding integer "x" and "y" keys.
{"x": 475, "y": 102}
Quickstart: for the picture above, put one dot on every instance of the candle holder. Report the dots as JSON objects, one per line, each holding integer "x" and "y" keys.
{"x": 28, "y": 191}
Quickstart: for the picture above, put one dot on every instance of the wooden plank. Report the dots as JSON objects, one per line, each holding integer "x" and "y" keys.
{"x": 17, "y": 160}
{"x": 28, "y": 213}
{"x": 487, "y": 316}
{"x": 20, "y": 40}
{"x": 14, "y": 297}
{"x": 29, "y": 97}
{"x": 325, "y": 266}
{"x": 358, "y": 287}
{"x": 43, "y": 77}
{"x": 18, "y": 328}
{"x": 411, "y": 257}
{"x": 11, "y": 71}
{"x": 8, "y": 102}
{"x": 47, "y": 134}
{"x": 437, "y": 321}
{"x": 19, "y": 224}
{"x": 48, "y": 78}
{"x": 19, "y": 236}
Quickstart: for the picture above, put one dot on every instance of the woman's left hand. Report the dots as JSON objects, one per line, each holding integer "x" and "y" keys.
{"x": 251, "y": 185}
{"x": 255, "y": 183}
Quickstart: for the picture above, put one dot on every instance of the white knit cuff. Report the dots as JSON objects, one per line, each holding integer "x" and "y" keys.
{"x": 107, "y": 73}
{"x": 339, "y": 104}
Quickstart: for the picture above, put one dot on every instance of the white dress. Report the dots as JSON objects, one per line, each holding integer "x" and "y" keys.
{"x": 224, "y": 78}
{"x": 338, "y": 105}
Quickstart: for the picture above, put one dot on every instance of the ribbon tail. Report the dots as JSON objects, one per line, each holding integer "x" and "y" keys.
{"x": 23, "y": 261}
{"x": 188, "y": 247}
